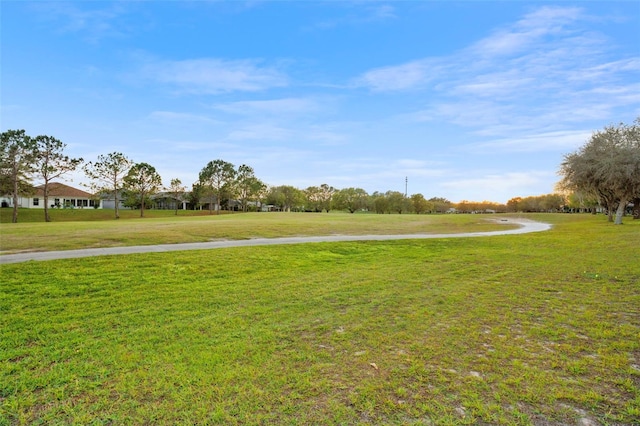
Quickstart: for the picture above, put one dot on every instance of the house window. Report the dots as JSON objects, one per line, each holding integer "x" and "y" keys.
{"x": 56, "y": 202}
{"x": 36, "y": 201}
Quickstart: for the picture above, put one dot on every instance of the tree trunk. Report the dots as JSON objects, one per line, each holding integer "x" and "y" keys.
{"x": 115, "y": 197}
{"x": 14, "y": 218}
{"x": 620, "y": 212}
{"x": 47, "y": 218}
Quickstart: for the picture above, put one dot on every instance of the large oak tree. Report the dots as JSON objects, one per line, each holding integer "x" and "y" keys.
{"x": 351, "y": 199}
{"x": 286, "y": 197}
{"x": 607, "y": 166}
{"x": 215, "y": 176}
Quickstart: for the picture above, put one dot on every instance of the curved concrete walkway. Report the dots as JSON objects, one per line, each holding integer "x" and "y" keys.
{"x": 526, "y": 226}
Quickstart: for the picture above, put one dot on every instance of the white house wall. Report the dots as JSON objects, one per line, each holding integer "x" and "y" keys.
{"x": 28, "y": 202}
{"x": 111, "y": 205}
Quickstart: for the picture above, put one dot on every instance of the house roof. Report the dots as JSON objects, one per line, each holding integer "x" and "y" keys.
{"x": 169, "y": 195}
{"x": 57, "y": 189}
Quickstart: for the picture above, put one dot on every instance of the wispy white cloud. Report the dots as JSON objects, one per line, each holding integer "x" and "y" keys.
{"x": 533, "y": 44}
{"x": 485, "y": 112}
{"x": 373, "y": 174}
{"x": 316, "y": 135}
{"x": 180, "y": 145}
{"x": 93, "y": 23}
{"x": 286, "y": 119}
{"x": 550, "y": 141}
{"x": 605, "y": 71}
{"x": 213, "y": 76}
{"x": 528, "y": 32}
{"x": 325, "y": 135}
{"x": 499, "y": 85}
{"x": 619, "y": 94}
{"x": 284, "y": 106}
{"x": 382, "y": 12}
{"x": 260, "y": 132}
{"x": 11, "y": 107}
{"x": 400, "y": 77}
{"x": 501, "y": 186}
{"x": 365, "y": 14}
{"x": 417, "y": 167}
{"x": 181, "y": 118}
{"x": 536, "y": 84}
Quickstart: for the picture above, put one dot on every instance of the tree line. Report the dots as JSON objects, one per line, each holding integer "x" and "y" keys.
{"x": 604, "y": 172}
{"x": 24, "y": 158}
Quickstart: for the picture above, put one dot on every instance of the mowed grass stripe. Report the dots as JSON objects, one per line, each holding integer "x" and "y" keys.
{"x": 502, "y": 330}
{"x": 83, "y": 232}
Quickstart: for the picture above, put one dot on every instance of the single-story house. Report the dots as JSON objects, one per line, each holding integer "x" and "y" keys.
{"x": 167, "y": 201}
{"x": 60, "y": 195}
{"x": 161, "y": 201}
{"x": 109, "y": 200}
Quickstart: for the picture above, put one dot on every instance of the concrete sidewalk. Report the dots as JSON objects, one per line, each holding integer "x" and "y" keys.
{"x": 526, "y": 226}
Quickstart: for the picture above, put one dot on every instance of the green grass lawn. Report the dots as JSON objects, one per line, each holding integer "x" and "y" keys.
{"x": 540, "y": 328}
{"x": 87, "y": 230}
{"x": 90, "y": 214}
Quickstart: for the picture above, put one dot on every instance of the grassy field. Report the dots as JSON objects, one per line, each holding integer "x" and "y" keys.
{"x": 76, "y": 229}
{"x": 538, "y": 329}
{"x": 93, "y": 215}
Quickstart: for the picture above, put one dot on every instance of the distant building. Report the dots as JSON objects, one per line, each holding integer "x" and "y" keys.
{"x": 60, "y": 196}
{"x": 167, "y": 201}
{"x": 160, "y": 201}
{"x": 109, "y": 200}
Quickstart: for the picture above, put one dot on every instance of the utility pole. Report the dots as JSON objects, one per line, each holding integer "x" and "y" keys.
{"x": 406, "y": 185}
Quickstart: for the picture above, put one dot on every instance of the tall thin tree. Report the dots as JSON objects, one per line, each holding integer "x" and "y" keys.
{"x": 108, "y": 173}
{"x": 51, "y": 164}
{"x": 17, "y": 165}
{"x": 177, "y": 190}
{"x": 248, "y": 186}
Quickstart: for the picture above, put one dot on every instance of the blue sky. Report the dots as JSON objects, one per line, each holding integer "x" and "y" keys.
{"x": 467, "y": 100}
